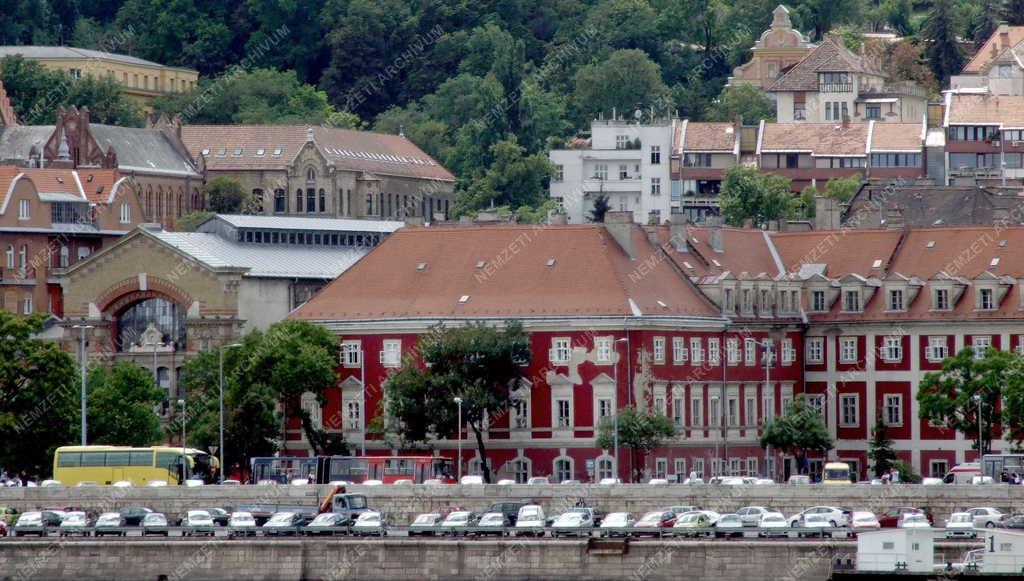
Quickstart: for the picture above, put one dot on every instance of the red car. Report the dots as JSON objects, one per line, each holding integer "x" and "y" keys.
{"x": 891, "y": 518}
{"x": 653, "y": 523}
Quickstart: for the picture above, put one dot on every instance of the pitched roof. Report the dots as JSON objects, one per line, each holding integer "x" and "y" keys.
{"x": 841, "y": 251}
{"x": 144, "y": 150}
{"x": 829, "y": 56}
{"x": 820, "y": 139}
{"x": 93, "y": 185}
{"x": 744, "y": 250}
{"x": 67, "y": 52}
{"x": 508, "y": 271}
{"x": 992, "y": 48}
{"x": 972, "y": 108}
{"x": 709, "y": 137}
{"x": 306, "y": 224}
{"x": 927, "y": 206}
{"x": 274, "y": 147}
{"x": 897, "y": 136}
{"x": 16, "y": 141}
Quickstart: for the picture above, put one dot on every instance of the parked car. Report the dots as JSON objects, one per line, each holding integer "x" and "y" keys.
{"x": 370, "y": 523}
{"x": 679, "y": 509}
{"x": 891, "y": 518}
{"x": 51, "y": 484}
{"x": 797, "y": 479}
{"x": 538, "y": 480}
{"x": 834, "y": 516}
{"x": 814, "y": 524}
{"x": 505, "y": 482}
{"x": 155, "y": 523}
{"x": 915, "y": 521}
{"x": 986, "y": 516}
{"x": 197, "y": 522}
{"x": 654, "y": 523}
{"x": 425, "y": 525}
{"x": 231, "y": 482}
{"x": 773, "y": 524}
{"x": 109, "y": 523}
{"x": 530, "y": 521}
{"x": 960, "y": 524}
{"x": 242, "y": 524}
{"x": 691, "y": 524}
{"x": 509, "y": 508}
{"x": 491, "y": 523}
{"x": 751, "y": 515}
{"x": 133, "y": 515}
{"x": 470, "y": 479}
{"x": 30, "y": 523}
{"x": 570, "y": 481}
{"x": 577, "y": 524}
{"x": 609, "y": 481}
{"x": 328, "y": 523}
{"x": 1013, "y": 522}
{"x": 863, "y": 520}
{"x": 122, "y": 484}
{"x": 458, "y": 523}
{"x": 219, "y": 515}
{"x": 616, "y": 524}
{"x": 283, "y": 524}
{"x": 75, "y": 523}
{"x": 156, "y": 483}
{"x": 729, "y": 525}
{"x": 658, "y": 482}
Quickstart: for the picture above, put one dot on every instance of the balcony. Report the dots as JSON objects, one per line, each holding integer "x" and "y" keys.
{"x": 24, "y": 275}
{"x": 835, "y": 87}
{"x": 991, "y": 173}
{"x": 631, "y": 185}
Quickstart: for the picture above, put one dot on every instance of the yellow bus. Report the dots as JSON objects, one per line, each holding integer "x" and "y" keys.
{"x": 836, "y": 473}
{"x": 109, "y": 464}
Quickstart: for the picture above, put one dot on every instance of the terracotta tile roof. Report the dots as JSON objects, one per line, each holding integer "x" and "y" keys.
{"x": 744, "y": 250}
{"x": 829, "y": 56}
{"x": 7, "y": 175}
{"x": 710, "y": 137}
{"x": 841, "y": 251}
{"x": 1005, "y": 110}
{"x": 273, "y": 147}
{"x": 95, "y": 185}
{"x": 897, "y": 136}
{"x": 821, "y": 139}
{"x": 992, "y": 49}
{"x": 503, "y": 271}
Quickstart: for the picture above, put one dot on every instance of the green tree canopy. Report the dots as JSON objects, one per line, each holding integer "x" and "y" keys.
{"x": 746, "y": 101}
{"x": 479, "y": 363}
{"x": 943, "y": 51}
{"x": 799, "y": 431}
{"x": 599, "y": 209}
{"x": 225, "y": 195}
{"x": 514, "y": 179}
{"x": 639, "y": 431}
{"x": 39, "y": 396}
{"x": 880, "y": 449}
{"x": 842, "y": 189}
{"x": 749, "y": 194}
{"x": 625, "y": 81}
{"x": 122, "y": 405}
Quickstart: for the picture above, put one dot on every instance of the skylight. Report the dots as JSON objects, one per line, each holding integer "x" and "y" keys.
{"x": 481, "y": 263}
{"x": 260, "y": 152}
{"x": 277, "y": 151}
{"x": 1002, "y": 243}
{"x": 463, "y": 299}
{"x": 222, "y": 152}
{"x": 877, "y": 263}
{"x": 421, "y": 266}
{"x": 551, "y": 262}
{"x": 662, "y": 304}
{"x": 688, "y": 265}
{"x": 205, "y": 152}
{"x": 994, "y": 262}
{"x": 238, "y": 152}
{"x": 931, "y": 244}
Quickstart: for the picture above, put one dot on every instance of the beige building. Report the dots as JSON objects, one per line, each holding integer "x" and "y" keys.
{"x": 142, "y": 80}
{"x": 300, "y": 170}
{"x": 779, "y": 48}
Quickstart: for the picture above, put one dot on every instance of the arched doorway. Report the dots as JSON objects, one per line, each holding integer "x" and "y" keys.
{"x": 152, "y": 322}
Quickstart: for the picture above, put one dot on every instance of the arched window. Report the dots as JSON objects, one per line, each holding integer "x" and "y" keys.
{"x": 311, "y": 175}
{"x": 311, "y": 406}
{"x": 562, "y": 469}
{"x": 298, "y": 200}
{"x": 149, "y": 203}
{"x": 310, "y": 200}
{"x": 10, "y": 256}
{"x": 323, "y": 200}
{"x": 605, "y": 467}
{"x": 23, "y": 256}
{"x": 180, "y": 203}
{"x": 279, "y": 201}
{"x": 521, "y": 470}
{"x": 162, "y": 314}
{"x": 369, "y": 204}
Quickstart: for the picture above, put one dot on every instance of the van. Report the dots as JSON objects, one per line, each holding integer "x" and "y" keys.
{"x": 530, "y": 521}
{"x": 963, "y": 473}
{"x": 509, "y": 508}
{"x": 836, "y": 473}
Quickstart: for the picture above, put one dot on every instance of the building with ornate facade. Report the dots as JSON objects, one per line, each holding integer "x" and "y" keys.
{"x": 775, "y": 52}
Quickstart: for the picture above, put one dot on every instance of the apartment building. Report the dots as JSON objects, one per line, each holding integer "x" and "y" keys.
{"x": 701, "y": 153}
{"x": 998, "y": 66}
{"x": 984, "y": 139}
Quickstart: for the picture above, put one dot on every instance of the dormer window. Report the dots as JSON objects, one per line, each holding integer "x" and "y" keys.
{"x": 985, "y": 299}
{"x": 941, "y": 302}
{"x": 818, "y": 300}
{"x": 748, "y": 300}
{"x": 766, "y": 303}
{"x": 895, "y": 299}
{"x": 851, "y": 301}
{"x": 728, "y": 300}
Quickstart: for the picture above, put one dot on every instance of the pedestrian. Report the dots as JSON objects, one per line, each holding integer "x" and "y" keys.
{"x": 895, "y": 479}
{"x": 886, "y": 477}
{"x": 311, "y": 478}
{"x": 1004, "y": 476}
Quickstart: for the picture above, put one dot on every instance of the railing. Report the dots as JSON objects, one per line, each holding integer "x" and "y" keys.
{"x": 976, "y": 172}
{"x": 18, "y": 273}
{"x": 835, "y": 87}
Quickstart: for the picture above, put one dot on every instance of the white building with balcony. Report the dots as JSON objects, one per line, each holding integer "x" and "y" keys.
{"x": 628, "y": 163}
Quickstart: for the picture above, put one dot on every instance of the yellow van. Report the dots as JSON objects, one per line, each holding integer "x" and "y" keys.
{"x": 836, "y": 473}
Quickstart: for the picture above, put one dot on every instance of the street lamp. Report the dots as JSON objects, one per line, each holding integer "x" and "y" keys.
{"x": 184, "y": 454}
{"x": 81, "y": 361}
{"x": 615, "y": 412}
{"x": 769, "y": 360}
{"x": 981, "y": 442}
{"x": 221, "y": 350}
{"x": 458, "y": 400}
{"x": 362, "y": 399}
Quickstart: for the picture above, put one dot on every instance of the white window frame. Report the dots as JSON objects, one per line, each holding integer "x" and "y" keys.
{"x": 815, "y": 349}
{"x": 679, "y": 467}
{"x": 941, "y": 299}
{"x": 559, "y": 423}
{"x": 896, "y": 301}
{"x": 732, "y": 350}
{"x": 659, "y": 405}
{"x": 980, "y": 344}
{"x": 847, "y": 349}
{"x": 817, "y": 306}
{"x": 655, "y": 186}
{"x": 27, "y": 308}
{"x": 604, "y": 467}
{"x": 696, "y": 412}
{"x": 522, "y": 469}
{"x": 750, "y": 411}
{"x": 986, "y": 299}
{"x": 603, "y": 349}
{"x": 698, "y": 467}
{"x": 751, "y": 466}
{"x": 852, "y": 301}
{"x": 938, "y": 462}
{"x": 655, "y": 155}
{"x": 519, "y": 413}
{"x": 126, "y": 213}
{"x": 556, "y": 468}
{"x": 887, "y": 408}
{"x": 714, "y": 412}
{"x": 561, "y": 351}
{"x": 24, "y": 210}
{"x": 391, "y": 353}
{"x": 661, "y": 467}
{"x": 750, "y": 352}
{"x": 696, "y": 351}
{"x": 732, "y": 412}
{"x": 351, "y": 353}
{"x": 309, "y": 404}
{"x": 353, "y": 413}
{"x": 678, "y": 413}
{"x": 892, "y": 348}
{"x": 679, "y": 351}
{"x": 659, "y": 349}
{"x": 714, "y": 353}
{"x": 788, "y": 352}
{"x": 816, "y": 402}
{"x": 604, "y": 408}
{"x": 937, "y": 349}
{"x": 846, "y": 421}
{"x": 768, "y": 408}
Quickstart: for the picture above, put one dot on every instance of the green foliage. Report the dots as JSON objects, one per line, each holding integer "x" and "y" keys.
{"x": 122, "y": 403}
{"x": 853, "y": 37}
{"x": 640, "y": 431}
{"x": 39, "y": 396}
{"x": 749, "y": 194}
{"x": 943, "y": 52}
{"x": 513, "y": 179}
{"x": 843, "y": 189}
{"x": 799, "y": 431}
{"x": 477, "y": 362}
{"x": 36, "y": 92}
{"x": 225, "y": 195}
{"x": 947, "y": 397}
{"x": 807, "y": 205}
{"x": 907, "y": 472}
{"x": 189, "y": 222}
{"x": 1013, "y": 12}
{"x": 628, "y": 79}
{"x": 747, "y": 101}
{"x": 600, "y": 208}
{"x": 880, "y": 449}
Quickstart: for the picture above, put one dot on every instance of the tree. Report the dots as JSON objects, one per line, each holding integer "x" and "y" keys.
{"x": 821, "y": 15}
{"x": 39, "y": 390}
{"x": 985, "y": 21}
{"x": 479, "y": 363}
{"x": 800, "y": 431}
{"x": 225, "y": 195}
{"x": 601, "y": 207}
{"x": 1013, "y": 12}
{"x": 189, "y": 222}
{"x": 944, "y": 54}
{"x": 951, "y": 397}
{"x": 122, "y": 403}
{"x": 748, "y": 194}
{"x": 842, "y": 189}
{"x": 808, "y": 207}
{"x": 514, "y": 179}
{"x": 625, "y": 81}
{"x": 880, "y": 450}
{"x": 746, "y": 101}
{"x": 640, "y": 431}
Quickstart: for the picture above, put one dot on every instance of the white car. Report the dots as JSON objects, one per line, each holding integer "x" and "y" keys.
{"x": 538, "y": 480}
{"x": 577, "y": 524}
{"x": 773, "y": 524}
{"x": 658, "y": 481}
{"x": 835, "y": 516}
{"x": 194, "y": 482}
{"x": 530, "y": 521}
{"x": 960, "y": 524}
{"x": 230, "y": 482}
{"x": 986, "y": 516}
{"x": 372, "y": 483}
{"x": 51, "y": 484}
{"x": 156, "y": 483}
{"x": 570, "y": 481}
{"x": 433, "y": 482}
{"x": 267, "y": 482}
{"x": 122, "y": 484}
{"x": 799, "y": 479}
{"x": 472, "y": 479}
{"x": 506, "y": 482}
{"x": 242, "y": 523}
{"x": 864, "y": 520}
{"x": 197, "y": 522}
{"x": 693, "y": 481}
{"x": 402, "y": 482}
{"x": 729, "y": 525}
{"x": 814, "y": 525}
{"x": 299, "y": 482}
{"x": 619, "y": 521}
{"x": 751, "y": 515}
{"x": 609, "y": 481}
{"x": 914, "y": 521}
{"x": 370, "y": 524}
{"x": 457, "y": 523}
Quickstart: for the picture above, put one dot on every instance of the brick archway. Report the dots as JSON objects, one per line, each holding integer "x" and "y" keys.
{"x": 118, "y": 296}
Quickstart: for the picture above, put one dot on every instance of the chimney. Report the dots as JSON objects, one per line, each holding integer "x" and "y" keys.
{"x": 826, "y": 213}
{"x": 894, "y": 218}
{"x": 678, "y": 234}
{"x": 652, "y": 233}
{"x": 715, "y": 236}
{"x": 414, "y": 221}
{"x": 620, "y": 226}
{"x": 557, "y": 218}
{"x": 653, "y": 217}
{"x": 1004, "y": 35}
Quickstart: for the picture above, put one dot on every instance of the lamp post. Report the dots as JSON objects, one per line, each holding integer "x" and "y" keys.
{"x": 221, "y": 377}
{"x": 458, "y": 400}
{"x": 981, "y": 441}
{"x": 769, "y": 360}
{"x": 615, "y": 412}
{"x": 81, "y": 360}
{"x": 362, "y": 399}
{"x": 184, "y": 454}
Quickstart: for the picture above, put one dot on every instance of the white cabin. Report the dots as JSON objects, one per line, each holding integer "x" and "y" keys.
{"x": 911, "y": 550}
